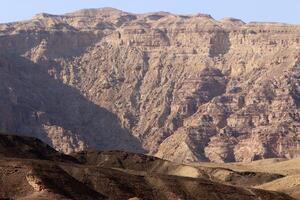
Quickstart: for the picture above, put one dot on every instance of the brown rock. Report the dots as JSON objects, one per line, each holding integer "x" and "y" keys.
{"x": 184, "y": 88}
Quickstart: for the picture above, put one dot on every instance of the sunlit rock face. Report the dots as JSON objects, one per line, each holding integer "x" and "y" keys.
{"x": 184, "y": 88}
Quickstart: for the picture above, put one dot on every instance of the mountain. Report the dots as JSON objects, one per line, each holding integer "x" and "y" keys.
{"x": 181, "y": 87}
{"x": 118, "y": 175}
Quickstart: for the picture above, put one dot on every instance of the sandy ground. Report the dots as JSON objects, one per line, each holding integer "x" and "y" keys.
{"x": 289, "y": 184}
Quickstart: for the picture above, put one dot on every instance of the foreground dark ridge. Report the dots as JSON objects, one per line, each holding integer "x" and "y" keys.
{"x": 30, "y": 169}
{"x": 183, "y": 88}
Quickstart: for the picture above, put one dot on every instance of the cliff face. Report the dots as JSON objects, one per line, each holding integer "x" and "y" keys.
{"x": 184, "y": 88}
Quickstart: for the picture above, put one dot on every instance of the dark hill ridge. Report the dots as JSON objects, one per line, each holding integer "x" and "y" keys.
{"x": 15, "y": 146}
{"x": 44, "y": 176}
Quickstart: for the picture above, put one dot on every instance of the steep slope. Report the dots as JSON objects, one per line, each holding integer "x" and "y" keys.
{"x": 183, "y": 88}
{"x": 35, "y": 104}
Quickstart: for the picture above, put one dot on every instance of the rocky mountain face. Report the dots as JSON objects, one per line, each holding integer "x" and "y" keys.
{"x": 183, "y": 88}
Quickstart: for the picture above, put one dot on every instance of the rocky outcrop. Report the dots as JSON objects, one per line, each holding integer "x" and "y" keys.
{"x": 184, "y": 88}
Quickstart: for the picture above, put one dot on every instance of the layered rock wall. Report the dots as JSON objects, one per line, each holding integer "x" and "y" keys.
{"x": 183, "y": 88}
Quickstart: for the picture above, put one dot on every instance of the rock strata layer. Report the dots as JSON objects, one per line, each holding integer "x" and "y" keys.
{"x": 183, "y": 88}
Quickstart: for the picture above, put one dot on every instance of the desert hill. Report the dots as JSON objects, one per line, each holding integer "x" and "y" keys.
{"x": 118, "y": 175}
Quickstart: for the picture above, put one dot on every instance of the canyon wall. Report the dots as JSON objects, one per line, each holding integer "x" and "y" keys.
{"x": 183, "y": 88}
